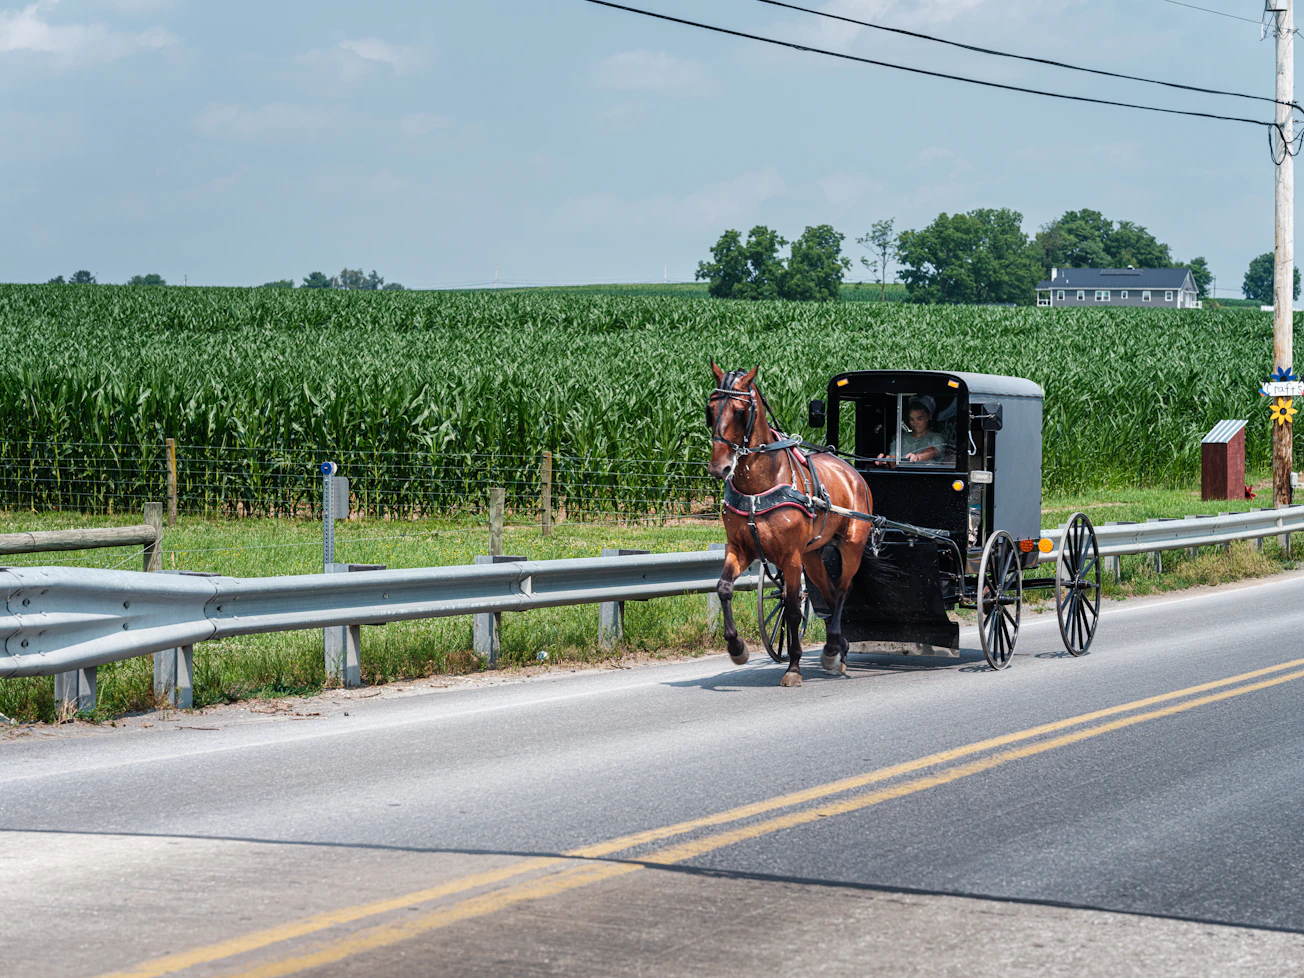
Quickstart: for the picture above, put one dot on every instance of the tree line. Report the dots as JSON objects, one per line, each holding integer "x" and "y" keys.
{"x": 348, "y": 278}
{"x": 979, "y": 257}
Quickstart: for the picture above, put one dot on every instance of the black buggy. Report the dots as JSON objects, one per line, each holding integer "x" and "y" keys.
{"x": 958, "y": 522}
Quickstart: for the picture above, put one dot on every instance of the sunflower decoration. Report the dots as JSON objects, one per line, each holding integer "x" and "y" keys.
{"x": 1283, "y": 410}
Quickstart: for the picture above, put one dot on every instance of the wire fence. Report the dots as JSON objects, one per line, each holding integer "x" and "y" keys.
{"x": 234, "y": 481}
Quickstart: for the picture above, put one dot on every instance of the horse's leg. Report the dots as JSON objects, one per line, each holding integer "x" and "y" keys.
{"x": 792, "y": 616}
{"x": 733, "y": 566}
{"x": 817, "y": 573}
{"x": 851, "y": 550}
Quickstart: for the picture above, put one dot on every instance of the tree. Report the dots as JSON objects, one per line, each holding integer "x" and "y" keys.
{"x": 1260, "y": 278}
{"x": 815, "y": 267}
{"x": 744, "y": 271}
{"x": 57, "y": 280}
{"x": 81, "y": 277}
{"x": 350, "y": 278}
{"x": 374, "y": 281}
{"x": 1088, "y": 239}
{"x": 882, "y": 243}
{"x": 979, "y": 257}
{"x": 150, "y": 279}
{"x": 280, "y": 283}
{"x": 392, "y": 287}
{"x": 1203, "y": 277}
{"x": 316, "y": 280}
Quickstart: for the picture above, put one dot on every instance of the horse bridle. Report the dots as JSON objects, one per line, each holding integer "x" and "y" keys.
{"x": 726, "y": 389}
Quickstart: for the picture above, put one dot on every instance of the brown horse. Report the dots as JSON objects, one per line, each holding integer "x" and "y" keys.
{"x": 774, "y": 510}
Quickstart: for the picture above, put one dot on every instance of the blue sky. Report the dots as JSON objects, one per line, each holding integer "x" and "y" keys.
{"x": 561, "y": 142}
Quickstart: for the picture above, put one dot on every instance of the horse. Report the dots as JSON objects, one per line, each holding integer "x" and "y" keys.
{"x": 778, "y": 508}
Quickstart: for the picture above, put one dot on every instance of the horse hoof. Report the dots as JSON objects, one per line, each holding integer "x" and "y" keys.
{"x": 829, "y": 662}
{"x": 790, "y": 679}
{"x": 741, "y": 658}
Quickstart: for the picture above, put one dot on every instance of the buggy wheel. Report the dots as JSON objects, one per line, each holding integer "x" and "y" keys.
{"x": 1077, "y": 584}
{"x": 769, "y": 609}
{"x": 999, "y": 598}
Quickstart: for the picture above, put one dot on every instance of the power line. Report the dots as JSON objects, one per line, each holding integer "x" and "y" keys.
{"x": 1019, "y": 57}
{"x": 924, "y": 71}
{"x": 1220, "y": 13}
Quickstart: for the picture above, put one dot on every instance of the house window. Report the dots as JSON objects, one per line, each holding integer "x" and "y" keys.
{"x": 1168, "y": 297}
{"x": 1102, "y": 295}
{"x": 1123, "y": 294}
{"x": 1060, "y": 295}
{"x": 1082, "y": 296}
{"x": 1145, "y": 295}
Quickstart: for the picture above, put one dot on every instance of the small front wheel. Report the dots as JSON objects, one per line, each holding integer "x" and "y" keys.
{"x": 999, "y": 598}
{"x": 769, "y": 608}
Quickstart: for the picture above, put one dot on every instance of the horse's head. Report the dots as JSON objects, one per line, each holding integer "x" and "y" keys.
{"x": 732, "y": 412}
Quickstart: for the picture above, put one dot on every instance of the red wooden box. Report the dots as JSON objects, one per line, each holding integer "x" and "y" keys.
{"x": 1222, "y": 462}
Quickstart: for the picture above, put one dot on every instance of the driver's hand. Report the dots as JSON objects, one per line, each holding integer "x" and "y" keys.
{"x": 912, "y": 457}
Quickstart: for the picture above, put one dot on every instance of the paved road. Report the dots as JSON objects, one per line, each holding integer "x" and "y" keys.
{"x": 1135, "y": 811}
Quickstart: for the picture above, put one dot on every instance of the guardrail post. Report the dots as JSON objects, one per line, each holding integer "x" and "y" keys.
{"x": 486, "y": 628}
{"x": 74, "y": 691}
{"x": 342, "y": 644}
{"x": 545, "y": 493}
{"x": 713, "y": 599}
{"x": 172, "y": 480}
{"x": 153, "y": 556}
{"x": 611, "y": 614}
{"x": 174, "y": 671}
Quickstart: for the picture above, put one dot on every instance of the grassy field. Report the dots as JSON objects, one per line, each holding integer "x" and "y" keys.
{"x": 428, "y": 398}
{"x": 290, "y": 663}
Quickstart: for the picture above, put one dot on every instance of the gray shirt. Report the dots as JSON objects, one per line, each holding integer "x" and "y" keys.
{"x": 908, "y": 444}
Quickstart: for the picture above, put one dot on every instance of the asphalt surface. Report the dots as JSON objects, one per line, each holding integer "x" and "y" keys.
{"x": 1162, "y": 838}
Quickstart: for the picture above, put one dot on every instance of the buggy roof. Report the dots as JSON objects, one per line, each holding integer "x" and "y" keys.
{"x": 993, "y": 384}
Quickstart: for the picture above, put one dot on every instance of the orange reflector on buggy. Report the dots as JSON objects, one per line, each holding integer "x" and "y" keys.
{"x": 1045, "y": 545}
{"x": 843, "y": 382}
{"x": 1027, "y": 546}
{"x": 952, "y": 383}
{"x": 957, "y": 485}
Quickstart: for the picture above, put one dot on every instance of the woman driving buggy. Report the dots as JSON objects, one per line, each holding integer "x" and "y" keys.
{"x": 921, "y": 443}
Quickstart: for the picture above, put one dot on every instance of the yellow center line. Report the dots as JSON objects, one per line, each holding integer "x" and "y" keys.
{"x": 387, "y": 934}
{"x": 256, "y": 940}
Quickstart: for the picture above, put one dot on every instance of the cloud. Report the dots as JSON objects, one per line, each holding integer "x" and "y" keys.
{"x": 424, "y": 123}
{"x": 649, "y": 71}
{"x": 727, "y": 202}
{"x": 222, "y": 120}
{"x": 355, "y": 58}
{"x": 844, "y": 190}
{"x": 943, "y": 158}
{"x": 28, "y": 30}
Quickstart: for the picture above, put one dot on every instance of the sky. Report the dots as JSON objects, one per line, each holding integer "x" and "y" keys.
{"x": 554, "y": 141}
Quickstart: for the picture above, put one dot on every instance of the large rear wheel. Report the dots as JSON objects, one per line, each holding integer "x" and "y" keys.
{"x": 769, "y": 608}
{"x": 999, "y": 598}
{"x": 1077, "y": 584}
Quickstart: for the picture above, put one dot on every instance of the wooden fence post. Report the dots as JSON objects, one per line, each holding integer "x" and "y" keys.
{"x": 497, "y": 500}
{"x": 172, "y": 481}
{"x": 545, "y": 493}
{"x": 154, "y": 551}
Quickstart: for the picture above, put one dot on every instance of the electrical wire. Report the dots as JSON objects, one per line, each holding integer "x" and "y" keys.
{"x": 1220, "y": 13}
{"x": 924, "y": 71}
{"x": 1021, "y": 57}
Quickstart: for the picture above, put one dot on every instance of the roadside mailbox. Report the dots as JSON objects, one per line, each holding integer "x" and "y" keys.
{"x": 1222, "y": 461}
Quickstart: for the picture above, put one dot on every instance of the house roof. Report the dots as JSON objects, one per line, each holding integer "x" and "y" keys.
{"x": 1116, "y": 278}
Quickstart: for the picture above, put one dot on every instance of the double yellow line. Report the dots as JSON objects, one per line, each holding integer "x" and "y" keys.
{"x": 551, "y": 875}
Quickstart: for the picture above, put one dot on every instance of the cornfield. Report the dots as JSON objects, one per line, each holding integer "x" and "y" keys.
{"x": 426, "y": 399}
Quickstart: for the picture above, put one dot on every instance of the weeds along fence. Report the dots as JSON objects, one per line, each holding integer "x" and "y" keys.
{"x": 234, "y": 482}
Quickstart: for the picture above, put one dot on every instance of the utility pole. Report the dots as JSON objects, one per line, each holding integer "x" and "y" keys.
{"x": 1283, "y": 289}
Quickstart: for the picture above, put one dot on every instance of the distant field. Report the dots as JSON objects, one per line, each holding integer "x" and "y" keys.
{"x": 428, "y": 398}
{"x": 851, "y": 291}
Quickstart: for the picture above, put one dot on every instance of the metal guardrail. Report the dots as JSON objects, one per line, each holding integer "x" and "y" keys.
{"x": 1116, "y": 539}
{"x": 58, "y": 619}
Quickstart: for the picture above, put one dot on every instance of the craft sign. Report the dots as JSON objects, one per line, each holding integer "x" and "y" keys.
{"x": 1282, "y": 383}
{"x": 1283, "y": 388}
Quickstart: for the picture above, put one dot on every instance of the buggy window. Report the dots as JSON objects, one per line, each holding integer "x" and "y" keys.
{"x": 916, "y": 431}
